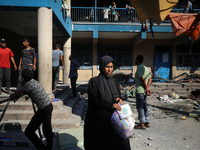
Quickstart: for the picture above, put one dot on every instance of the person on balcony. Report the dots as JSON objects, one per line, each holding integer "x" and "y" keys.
{"x": 113, "y": 12}
{"x": 65, "y": 7}
{"x": 105, "y": 13}
{"x": 91, "y": 16}
{"x": 188, "y": 8}
{"x": 129, "y": 12}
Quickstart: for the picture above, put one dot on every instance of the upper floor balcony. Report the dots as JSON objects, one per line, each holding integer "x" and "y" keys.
{"x": 106, "y": 15}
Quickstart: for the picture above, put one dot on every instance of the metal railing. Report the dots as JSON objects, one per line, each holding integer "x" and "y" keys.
{"x": 84, "y": 14}
{"x": 90, "y": 14}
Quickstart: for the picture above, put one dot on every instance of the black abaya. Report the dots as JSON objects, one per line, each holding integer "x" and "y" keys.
{"x": 98, "y": 132}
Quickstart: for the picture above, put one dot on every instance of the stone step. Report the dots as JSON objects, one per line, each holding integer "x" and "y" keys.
{"x": 63, "y": 113}
{"x": 73, "y": 121}
{"x": 27, "y": 105}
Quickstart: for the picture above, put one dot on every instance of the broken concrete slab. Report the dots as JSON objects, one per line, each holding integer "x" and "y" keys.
{"x": 194, "y": 114}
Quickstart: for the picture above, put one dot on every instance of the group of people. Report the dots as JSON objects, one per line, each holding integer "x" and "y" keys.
{"x": 108, "y": 12}
{"x": 104, "y": 98}
{"x": 27, "y": 85}
{"x": 27, "y": 61}
{"x": 57, "y": 56}
{"x": 111, "y": 14}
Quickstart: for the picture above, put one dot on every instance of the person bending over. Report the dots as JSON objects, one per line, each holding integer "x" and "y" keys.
{"x": 44, "y": 113}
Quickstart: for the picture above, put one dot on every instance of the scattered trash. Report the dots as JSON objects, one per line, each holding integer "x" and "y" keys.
{"x": 185, "y": 138}
{"x": 173, "y": 95}
{"x": 150, "y": 138}
{"x": 55, "y": 100}
{"x": 184, "y": 117}
{"x": 194, "y": 114}
{"x": 164, "y": 98}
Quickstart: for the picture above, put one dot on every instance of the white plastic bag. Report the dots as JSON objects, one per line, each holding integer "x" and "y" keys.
{"x": 125, "y": 112}
{"x": 124, "y": 127}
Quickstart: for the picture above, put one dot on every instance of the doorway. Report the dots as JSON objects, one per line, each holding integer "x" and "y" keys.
{"x": 162, "y": 62}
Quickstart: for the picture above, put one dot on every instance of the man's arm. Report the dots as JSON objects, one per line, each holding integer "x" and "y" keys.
{"x": 17, "y": 94}
{"x": 61, "y": 58}
{"x": 34, "y": 65}
{"x": 146, "y": 86}
{"x": 20, "y": 63}
{"x": 13, "y": 61}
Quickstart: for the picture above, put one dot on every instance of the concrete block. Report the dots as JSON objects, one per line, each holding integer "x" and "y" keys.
{"x": 194, "y": 114}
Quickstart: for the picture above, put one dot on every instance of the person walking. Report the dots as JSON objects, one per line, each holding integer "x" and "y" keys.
{"x": 44, "y": 113}
{"x": 103, "y": 98}
{"x": 27, "y": 60}
{"x": 73, "y": 75}
{"x": 57, "y": 55}
{"x": 142, "y": 83}
{"x": 6, "y": 55}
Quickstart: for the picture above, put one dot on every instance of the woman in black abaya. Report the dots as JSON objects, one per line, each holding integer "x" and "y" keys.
{"x": 103, "y": 96}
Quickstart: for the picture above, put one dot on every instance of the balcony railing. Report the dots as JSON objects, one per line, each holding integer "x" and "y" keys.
{"x": 84, "y": 14}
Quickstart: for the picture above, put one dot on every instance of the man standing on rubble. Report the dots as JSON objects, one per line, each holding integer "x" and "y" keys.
{"x": 142, "y": 83}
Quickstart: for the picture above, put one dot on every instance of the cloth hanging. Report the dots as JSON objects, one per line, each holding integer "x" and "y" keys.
{"x": 188, "y": 24}
{"x": 157, "y": 10}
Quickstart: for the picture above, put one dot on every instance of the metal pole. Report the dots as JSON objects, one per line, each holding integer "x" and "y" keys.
{"x": 5, "y": 109}
{"x": 95, "y": 10}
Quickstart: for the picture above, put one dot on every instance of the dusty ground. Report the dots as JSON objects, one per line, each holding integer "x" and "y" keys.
{"x": 168, "y": 130}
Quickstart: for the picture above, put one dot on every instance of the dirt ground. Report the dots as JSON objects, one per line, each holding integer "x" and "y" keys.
{"x": 168, "y": 130}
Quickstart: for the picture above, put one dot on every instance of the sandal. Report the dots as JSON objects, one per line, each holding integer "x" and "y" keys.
{"x": 147, "y": 124}
{"x": 140, "y": 126}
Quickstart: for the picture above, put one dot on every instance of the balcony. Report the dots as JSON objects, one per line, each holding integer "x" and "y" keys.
{"x": 83, "y": 14}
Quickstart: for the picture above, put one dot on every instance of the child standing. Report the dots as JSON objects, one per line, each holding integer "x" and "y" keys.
{"x": 44, "y": 113}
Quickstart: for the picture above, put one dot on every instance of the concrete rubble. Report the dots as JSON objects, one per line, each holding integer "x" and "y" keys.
{"x": 171, "y": 124}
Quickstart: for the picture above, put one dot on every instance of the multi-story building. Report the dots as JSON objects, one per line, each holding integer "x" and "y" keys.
{"x": 83, "y": 32}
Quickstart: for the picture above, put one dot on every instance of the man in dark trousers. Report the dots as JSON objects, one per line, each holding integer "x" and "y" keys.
{"x": 57, "y": 55}
{"x": 27, "y": 60}
{"x": 73, "y": 75}
{"x": 44, "y": 113}
{"x": 6, "y": 55}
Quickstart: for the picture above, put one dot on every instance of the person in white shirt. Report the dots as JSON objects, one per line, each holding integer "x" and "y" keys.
{"x": 188, "y": 7}
{"x": 106, "y": 12}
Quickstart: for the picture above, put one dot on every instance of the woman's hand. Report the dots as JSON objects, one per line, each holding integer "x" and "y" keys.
{"x": 120, "y": 100}
{"x": 118, "y": 107}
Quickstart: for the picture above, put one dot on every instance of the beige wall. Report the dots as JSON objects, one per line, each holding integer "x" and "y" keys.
{"x": 145, "y": 48}
{"x": 84, "y": 74}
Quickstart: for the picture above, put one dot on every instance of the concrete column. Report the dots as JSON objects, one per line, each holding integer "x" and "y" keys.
{"x": 69, "y": 3}
{"x": 134, "y": 57}
{"x": 67, "y": 53}
{"x": 174, "y": 61}
{"x": 94, "y": 68}
{"x": 45, "y": 48}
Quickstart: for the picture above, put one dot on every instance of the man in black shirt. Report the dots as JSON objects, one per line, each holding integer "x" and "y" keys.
{"x": 27, "y": 60}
